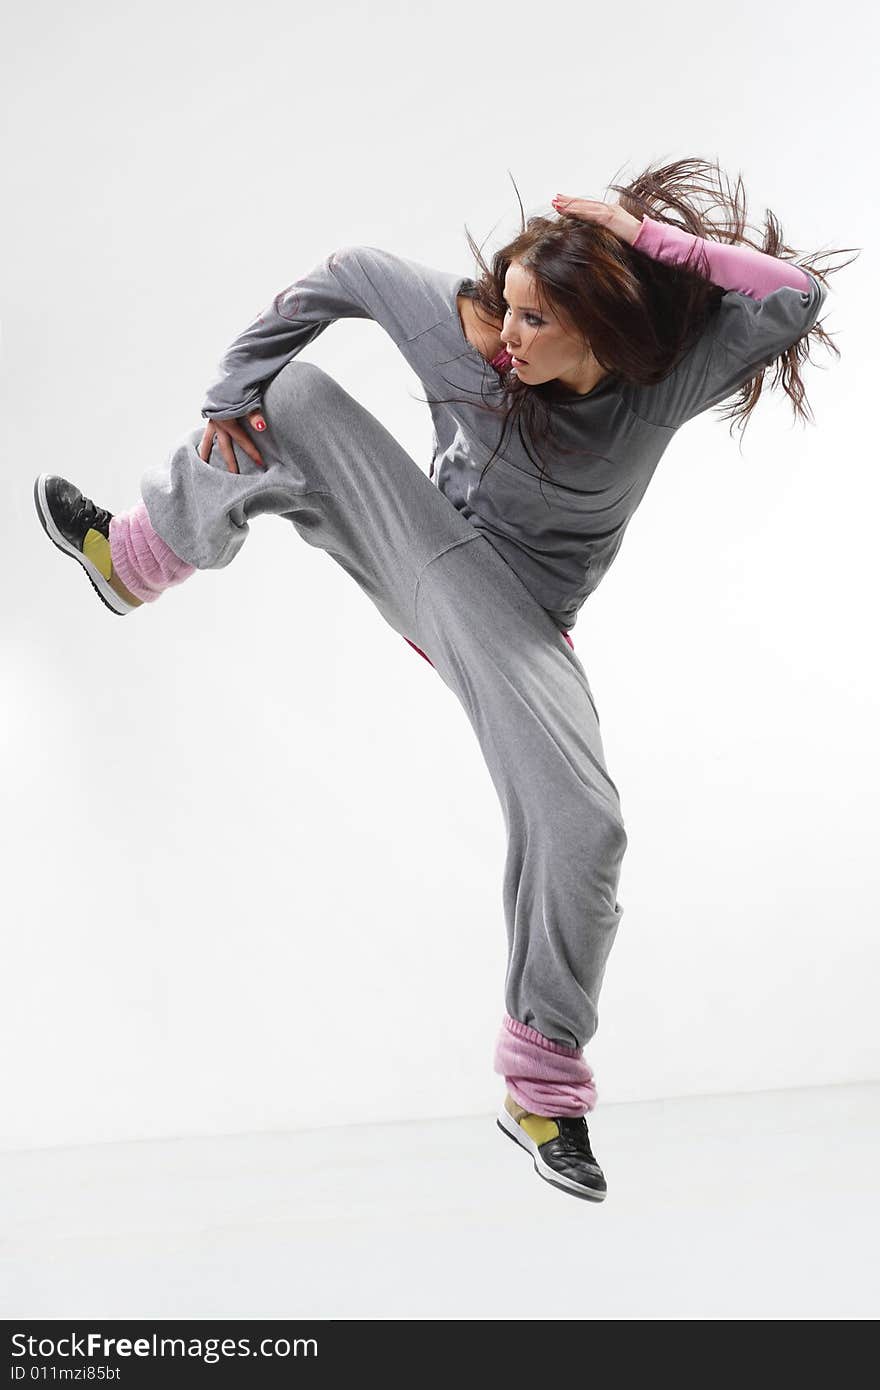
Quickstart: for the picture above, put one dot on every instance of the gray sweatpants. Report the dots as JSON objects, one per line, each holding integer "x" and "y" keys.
{"x": 349, "y": 488}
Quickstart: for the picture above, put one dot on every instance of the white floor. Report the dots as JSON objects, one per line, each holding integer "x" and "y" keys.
{"x": 725, "y": 1207}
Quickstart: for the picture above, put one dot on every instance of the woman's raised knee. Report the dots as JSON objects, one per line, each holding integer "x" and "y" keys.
{"x": 600, "y": 834}
{"x": 300, "y": 388}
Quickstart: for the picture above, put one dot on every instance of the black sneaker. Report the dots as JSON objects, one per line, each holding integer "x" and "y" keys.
{"x": 81, "y": 529}
{"x": 560, "y": 1146}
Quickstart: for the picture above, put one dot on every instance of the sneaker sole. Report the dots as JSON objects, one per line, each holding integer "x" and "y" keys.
{"x": 508, "y": 1125}
{"x": 106, "y": 593}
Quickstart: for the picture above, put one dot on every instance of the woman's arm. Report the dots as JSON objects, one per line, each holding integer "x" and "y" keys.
{"x": 768, "y": 306}
{"x": 294, "y": 318}
{"x": 362, "y": 282}
{"x": 738, "y": 268}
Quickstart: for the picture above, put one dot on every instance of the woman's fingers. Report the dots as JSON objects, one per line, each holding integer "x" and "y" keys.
{"x": 225, "y": 431}
{"x": 216, "y": 430}
{"x": 227, "y": 450}
{"x": 588, "y": 208}
{"x": 212, "y": 432}
{"x": 610, "y": 215}
{"x": 204, "y": 448}
{"x": 241, "y": 438}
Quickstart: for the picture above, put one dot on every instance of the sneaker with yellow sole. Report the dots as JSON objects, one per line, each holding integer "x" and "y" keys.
{"x": 560, "y": 1148}
{"x": 81, "y": 529}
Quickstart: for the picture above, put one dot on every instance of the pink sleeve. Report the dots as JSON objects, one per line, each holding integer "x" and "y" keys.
{"x": 732, "y": 267}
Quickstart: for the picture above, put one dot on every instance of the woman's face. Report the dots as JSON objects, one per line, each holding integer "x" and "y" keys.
{"x": 545, "y": 349}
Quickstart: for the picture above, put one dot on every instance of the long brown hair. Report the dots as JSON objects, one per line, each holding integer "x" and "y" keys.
{"x": 638, "y": 316}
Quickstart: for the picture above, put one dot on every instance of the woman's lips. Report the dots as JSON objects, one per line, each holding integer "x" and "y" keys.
{"x": 504, "y": 360}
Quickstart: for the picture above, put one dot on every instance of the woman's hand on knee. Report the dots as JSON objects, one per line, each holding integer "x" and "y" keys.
{"x": 225, "y": 431}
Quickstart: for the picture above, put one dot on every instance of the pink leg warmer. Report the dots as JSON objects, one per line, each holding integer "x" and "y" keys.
{"x": 143, "y": 561}
{"x": 546, "y": 1077}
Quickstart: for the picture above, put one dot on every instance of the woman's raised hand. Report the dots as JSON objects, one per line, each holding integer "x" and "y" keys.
{"x": 610, "y": 215}
{"x": 227, "y": 430}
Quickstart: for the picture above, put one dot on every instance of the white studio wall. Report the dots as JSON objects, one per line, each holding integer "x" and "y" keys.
{"x": 252, "y": 855}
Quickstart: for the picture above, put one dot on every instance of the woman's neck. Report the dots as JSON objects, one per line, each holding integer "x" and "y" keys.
{"x": 482, "y": 334}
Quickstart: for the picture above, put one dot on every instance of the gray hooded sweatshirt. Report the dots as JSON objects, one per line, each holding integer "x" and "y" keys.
{"x": 559, "y": 534}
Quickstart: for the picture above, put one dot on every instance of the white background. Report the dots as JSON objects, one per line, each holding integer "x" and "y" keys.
{"x": 252, "y": 856}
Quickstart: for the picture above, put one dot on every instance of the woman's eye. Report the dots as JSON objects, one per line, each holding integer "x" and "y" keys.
{"x": 533, "y": 320}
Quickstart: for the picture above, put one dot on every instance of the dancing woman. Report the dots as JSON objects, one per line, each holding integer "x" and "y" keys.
{"x": 597, "y": 332}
